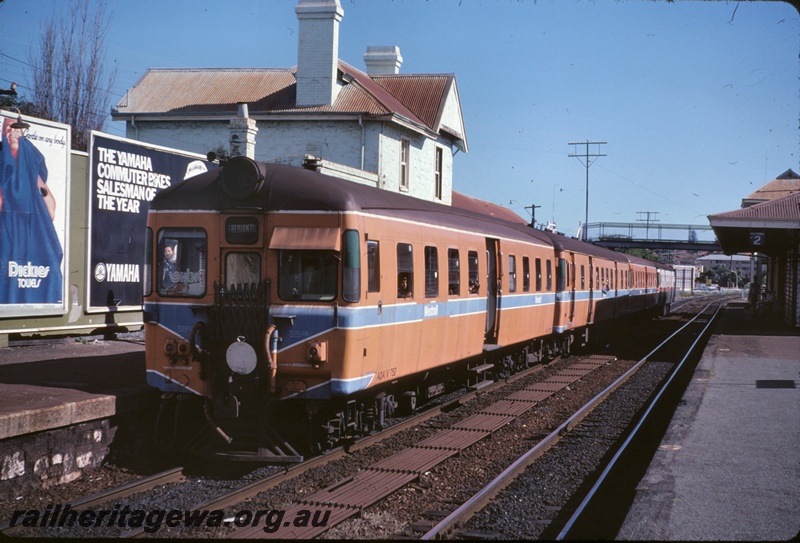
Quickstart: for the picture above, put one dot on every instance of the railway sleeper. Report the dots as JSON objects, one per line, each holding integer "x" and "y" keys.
{"x": 285, "y": 431}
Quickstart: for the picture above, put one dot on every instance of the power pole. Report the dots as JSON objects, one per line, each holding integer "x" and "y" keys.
{"x": 647, "y": 221}
{"x": 533, "y": 207}
{"x": 586, "y": 156}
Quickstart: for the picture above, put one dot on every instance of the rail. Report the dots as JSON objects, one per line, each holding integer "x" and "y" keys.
{"x": 487, "y": 493}
{"x": 568, "y": 527}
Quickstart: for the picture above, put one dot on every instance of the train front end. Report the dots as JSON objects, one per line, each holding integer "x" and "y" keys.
{"x": 243, "y": 311}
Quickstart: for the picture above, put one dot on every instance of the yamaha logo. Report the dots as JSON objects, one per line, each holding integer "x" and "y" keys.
{"x": 100, "y": 272}
{"x": 116, "y": 273}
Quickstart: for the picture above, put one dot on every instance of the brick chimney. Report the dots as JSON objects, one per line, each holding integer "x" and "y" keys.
{"x": 242, "y": 131}
{"x": 318, "y": 51}
{"x": 383, "y": 59}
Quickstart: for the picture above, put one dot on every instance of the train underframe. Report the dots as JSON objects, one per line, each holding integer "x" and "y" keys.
{"x": 242, "y": 422}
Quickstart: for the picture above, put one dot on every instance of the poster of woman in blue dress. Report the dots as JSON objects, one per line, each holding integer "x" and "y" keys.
{"x": 31, "y": 253}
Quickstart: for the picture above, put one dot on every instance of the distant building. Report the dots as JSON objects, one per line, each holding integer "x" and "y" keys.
{"x": 785, "y": 184}
{"x": 393, "y": 131}
{"x": 744, "y": 264}
{"x": 684, "y": 277}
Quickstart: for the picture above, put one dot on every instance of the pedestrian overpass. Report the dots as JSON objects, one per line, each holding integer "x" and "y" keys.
{"x": 678, "y": 237}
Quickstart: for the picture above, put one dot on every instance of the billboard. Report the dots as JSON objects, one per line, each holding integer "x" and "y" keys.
{"x": 34, "y": 192}
{"x": 125, "y": 176}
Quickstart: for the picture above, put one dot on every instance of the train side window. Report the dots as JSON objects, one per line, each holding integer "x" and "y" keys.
{"x": 242, "y": 269}
{"x": 431, "y": 272}
{"x": 538, "y": 275}
{"x": 373, "y": 267}
{"x": 512, "y": 273}
{"x": 453, "y": 273}
{"x": 307, "y": 275}
{"x": 405, "y": 270}
{"x": 583, "y": 277}
{"x": 182, "y": 262}
{"x": 472, "y": 270}
{"x": 147, "y": 283}
{"x": 351, "y": 267}
{"x": 549, "y": 269}
{"x": 526, "y": 274}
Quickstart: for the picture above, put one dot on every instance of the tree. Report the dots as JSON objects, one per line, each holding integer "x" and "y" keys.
{"x": 69, "y": 78}
{"x": 647, "y": 254}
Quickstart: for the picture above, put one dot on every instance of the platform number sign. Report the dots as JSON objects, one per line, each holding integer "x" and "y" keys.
{"x": 757, "y": 239}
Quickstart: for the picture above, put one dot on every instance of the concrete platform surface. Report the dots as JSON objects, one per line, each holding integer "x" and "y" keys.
{"x": 728, "y": 467}
{"x": 51, "y": 384}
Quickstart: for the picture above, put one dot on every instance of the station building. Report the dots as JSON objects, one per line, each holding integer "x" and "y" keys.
{"x": 768, "y": 224}
{"x": 746, "y": 265}
{"x": 397, "y": 132}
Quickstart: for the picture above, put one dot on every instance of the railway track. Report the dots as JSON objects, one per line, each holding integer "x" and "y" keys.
{"x": 145, "y": 484}
{"x": 109, "y": 499}
{"x": 270, "y": 493}
{"x": 590, "y": 520}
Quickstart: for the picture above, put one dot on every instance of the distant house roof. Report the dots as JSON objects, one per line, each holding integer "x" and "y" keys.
{"x": 785, "y": 184}
{"x": 417, "y": 101}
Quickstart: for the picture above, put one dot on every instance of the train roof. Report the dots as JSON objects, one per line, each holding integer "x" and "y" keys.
{"x": 290, "y": 188}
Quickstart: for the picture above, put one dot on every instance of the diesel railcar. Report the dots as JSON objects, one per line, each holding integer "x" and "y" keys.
{"x": 292, "y": 310}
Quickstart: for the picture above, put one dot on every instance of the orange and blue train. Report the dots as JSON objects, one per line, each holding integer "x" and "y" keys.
{"x": 289, "y": 310}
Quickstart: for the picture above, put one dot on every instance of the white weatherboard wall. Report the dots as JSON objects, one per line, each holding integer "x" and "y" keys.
{"x": 287, "y": 142}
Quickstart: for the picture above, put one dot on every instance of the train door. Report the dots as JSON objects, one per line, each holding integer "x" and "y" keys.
{"x": 590, "y": 316}
{"x": 493, "y": 292}
{"x": 571, "y": 283}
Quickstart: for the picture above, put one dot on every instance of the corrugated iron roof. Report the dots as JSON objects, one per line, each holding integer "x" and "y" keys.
{"x": 422, "y": 94}
{"x": 783, "y": 185}
{"x": 208, "y": 91}
{"x": 784, "y": 208}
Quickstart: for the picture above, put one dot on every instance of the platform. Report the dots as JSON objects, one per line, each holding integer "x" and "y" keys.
{"x": 53, "y": 384}
{"x": 728, "y": 467}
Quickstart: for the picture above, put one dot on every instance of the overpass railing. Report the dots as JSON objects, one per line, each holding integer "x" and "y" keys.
{"x": 652, "y": 235}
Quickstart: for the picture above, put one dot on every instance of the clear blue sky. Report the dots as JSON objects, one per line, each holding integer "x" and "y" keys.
{"x": 699, "y": 101}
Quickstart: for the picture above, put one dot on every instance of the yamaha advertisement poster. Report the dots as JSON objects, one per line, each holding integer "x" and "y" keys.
{"x": 34, "y": 191}
{"x": 125, "y": 176}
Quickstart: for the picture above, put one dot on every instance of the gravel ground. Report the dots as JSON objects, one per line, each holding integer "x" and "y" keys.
{"x": 524, "y": 509}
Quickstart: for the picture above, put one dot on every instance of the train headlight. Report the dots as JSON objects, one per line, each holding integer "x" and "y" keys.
{"x": 241, "y": 177}
{"x": 317, "y": 352}
{"x": 241, "y": 357}
{"x": 171, "y": 347}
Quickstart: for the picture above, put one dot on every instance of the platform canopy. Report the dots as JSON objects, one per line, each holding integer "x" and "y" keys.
{"x": 771, "y": 227}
